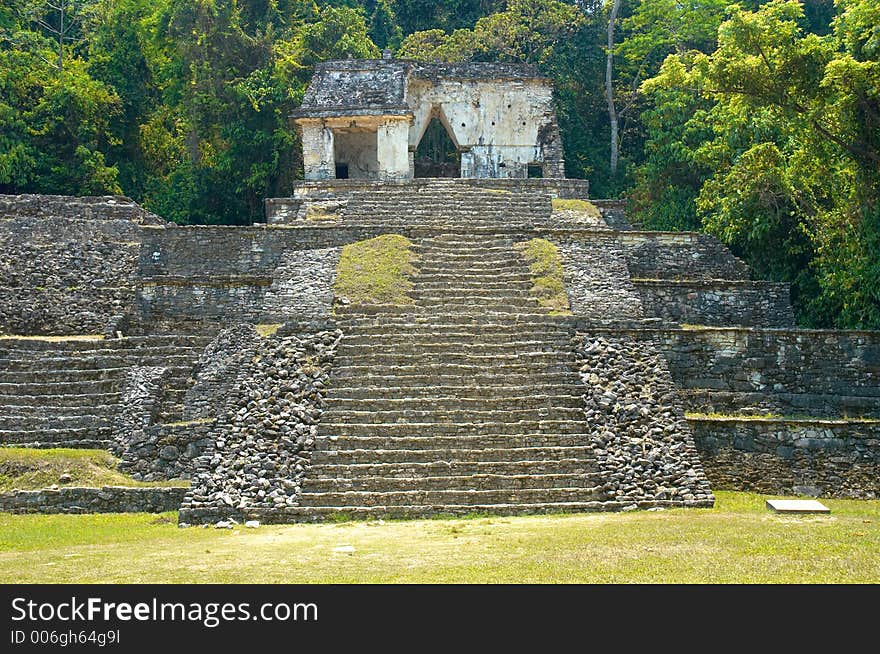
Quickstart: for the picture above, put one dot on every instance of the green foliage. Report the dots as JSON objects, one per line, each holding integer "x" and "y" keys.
{"x": 376, "y": 271}
{"x": 777, "y": 153}
{"x": 548, "y": 281}
{"x": 757, "y": 121}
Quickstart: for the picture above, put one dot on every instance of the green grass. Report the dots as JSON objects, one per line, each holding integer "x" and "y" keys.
{"x": 581, "y": 206}
{"x": 738, "y": 541}
{"x": 545, "y": 264}
{"x": 376, "y": 271}
{"x": 30, "y": 469}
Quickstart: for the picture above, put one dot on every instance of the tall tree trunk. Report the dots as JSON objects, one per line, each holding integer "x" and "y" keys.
{"x": 609, "y": 87}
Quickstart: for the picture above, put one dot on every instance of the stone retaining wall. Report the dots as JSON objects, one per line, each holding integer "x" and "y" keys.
{"x": 717, "y": 302}
{"x": 260, "y": 446}
{"x": 109, "y": 499}
{"x": 167, "y": 451}
{"x": 666, "y": 255}
{"x": 834, "y": 458}
{"x": 68, "y": 265}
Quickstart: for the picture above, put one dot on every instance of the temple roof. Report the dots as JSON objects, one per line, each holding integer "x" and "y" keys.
{"x": 378, "y": 86}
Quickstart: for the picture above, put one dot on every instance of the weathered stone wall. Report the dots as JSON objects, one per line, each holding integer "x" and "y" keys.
{"x": 673, "y": 255}
{"x": 717, "y": 302}
{"x": 597, "y": 282}
{"x": 832, "y": 458}
{"x": 68, "y": 264}
{"x": 641, "y": 439}
{"x": 167, "y": 451}
{"x": 262, "y": 440}
{"x": 792, "y": 372}
{"x": 139, "y": 406}
{"x": 302, "y": 286}
{"x": 216, "y": 371}
{"x": 109, "y": 499}
{"x": 222, "y": 275}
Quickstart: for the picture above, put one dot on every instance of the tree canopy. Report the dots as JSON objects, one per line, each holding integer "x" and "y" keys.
{"x": 756, "y": 121}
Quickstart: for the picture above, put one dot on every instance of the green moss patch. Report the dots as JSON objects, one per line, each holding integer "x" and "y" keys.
{"x": 545, "y": 264}
{"x": 32, "y": 469}
{"x": 581, "y": 206}
{"x": 376, "y": 271}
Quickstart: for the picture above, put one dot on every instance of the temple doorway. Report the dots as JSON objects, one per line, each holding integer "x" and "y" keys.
{"x": 437, "y": 155}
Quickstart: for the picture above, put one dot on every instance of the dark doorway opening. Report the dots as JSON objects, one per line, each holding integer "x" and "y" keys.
{"x": 341, "y": 171}
{"x": 437, "y": 154}
{"x": 535, "y": 171}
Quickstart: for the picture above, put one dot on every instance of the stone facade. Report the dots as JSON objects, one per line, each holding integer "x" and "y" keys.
{"x": 109, "y": 499}
{"x": 829, "y": 458}
{"x": 226, "y": 360}
{"x": 365, "y": 119}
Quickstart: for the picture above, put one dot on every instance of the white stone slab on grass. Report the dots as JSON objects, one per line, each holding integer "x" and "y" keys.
{"x": 797, "y": 506}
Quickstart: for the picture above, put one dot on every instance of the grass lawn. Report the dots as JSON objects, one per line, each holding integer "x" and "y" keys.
{"x": 24, "y": 468}
{"x": 738, "y": 541}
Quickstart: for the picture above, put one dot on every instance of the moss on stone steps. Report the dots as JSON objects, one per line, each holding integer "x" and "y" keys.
{"x": 581, "y": 206}
{"x": 376, "y": 271}
{"x": 548, "y": 284}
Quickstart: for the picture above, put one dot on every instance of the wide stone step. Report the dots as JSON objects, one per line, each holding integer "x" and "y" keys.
{"x": 479, "y": 426}
{"x": 10, "y": 403}
{"x": 401, "y": 358}
{"x": 456, "y": 339}
{"x": 498, "y": 448}
{"x": 501, "y": 301}
{"x": 92, "y": 363}
{"x": 351, "y": 320}
{"x": 452, "y": 497}
{"x": 92, "y": 387}
{"x": 18, "y": 354}
{"x": 130, "y": 343}
{"x": 358, "y": 329}
{"x": 478, "y": 482}
{"x": 96, "y": 436}
{"x": 453, "y": 468}
{"x": 49, "y": 376}
{"x": 452, "y": 374}
{"x": 465, "y": 286}
{"x": 436, "y": 404}
{"x": 441, "y": 415}
{"x": 98, "y": 417}
{"x": 430, "y": 393}
{"x": 499, "y": 347}
{"x": 429, "y": 269}
{"x": 315, "y": 514}
{"x": 418, "y": 382}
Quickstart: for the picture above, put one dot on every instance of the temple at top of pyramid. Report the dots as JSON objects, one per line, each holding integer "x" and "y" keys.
{"x": 395, "y": 119}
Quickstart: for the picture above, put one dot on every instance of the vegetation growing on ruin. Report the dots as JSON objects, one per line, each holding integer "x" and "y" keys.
{"x": 376, "y": 271}
{"x": 739, "y": 541}
{"x": 548, "y": 281}
{"x": 756, "y": 122}
{"x": 581, "y": 206}
{"x": 319, "y": 214}
{"x": 31, "y": 469}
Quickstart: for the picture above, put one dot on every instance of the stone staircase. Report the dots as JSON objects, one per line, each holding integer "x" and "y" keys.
{"x": 446, "y": 204}
{"x": 466, "y": 402}
{"x": 67, "y": 392}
